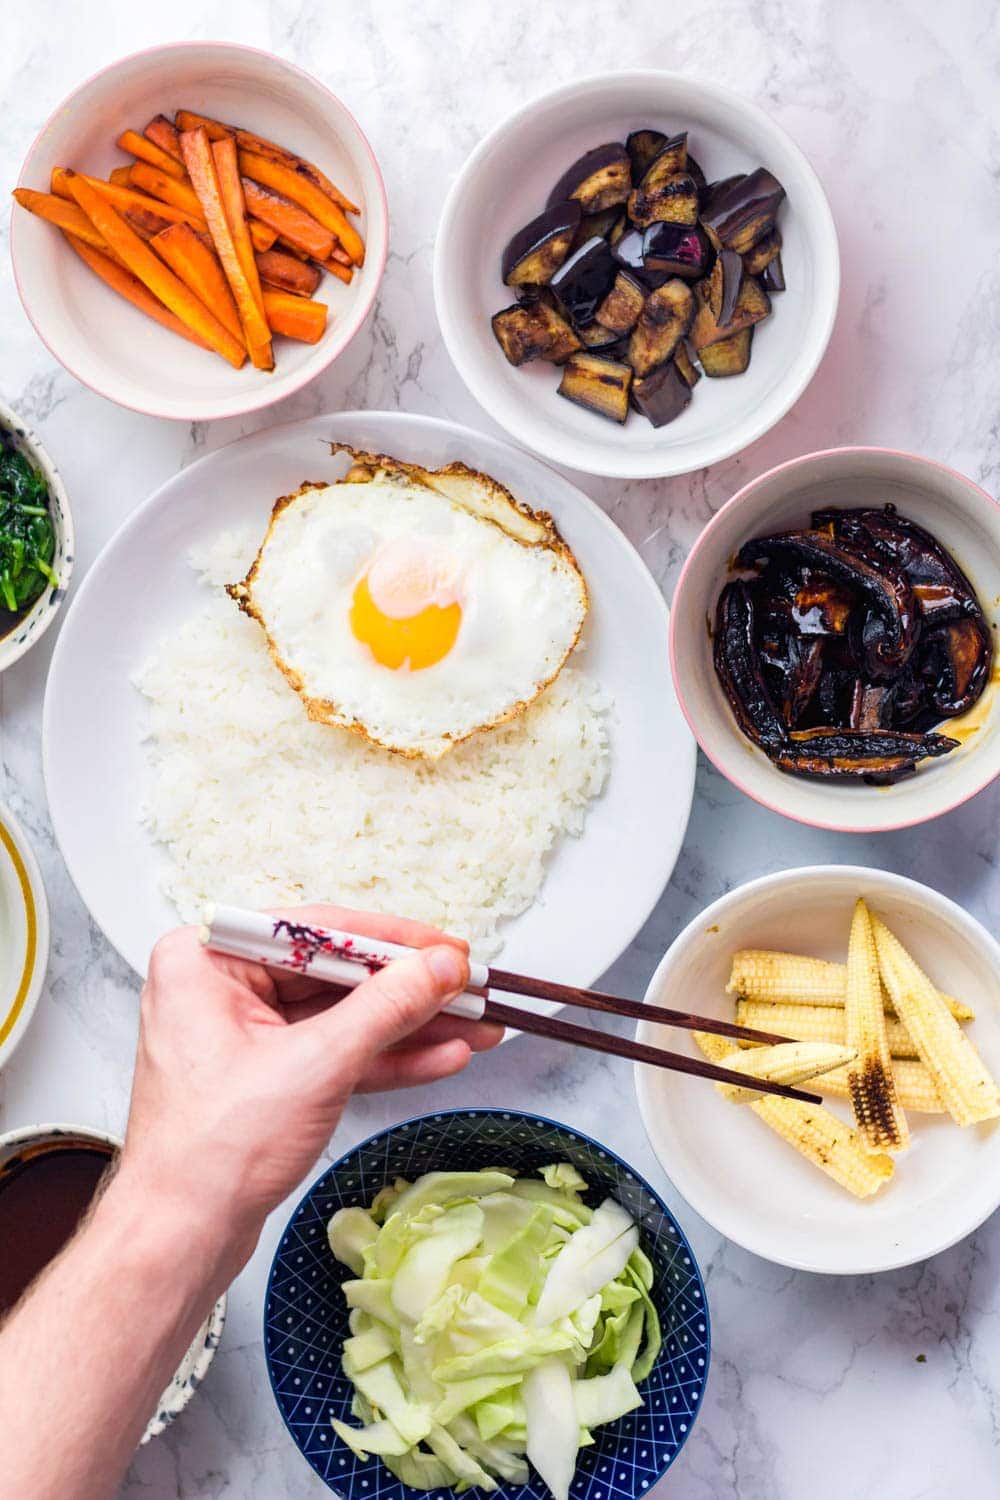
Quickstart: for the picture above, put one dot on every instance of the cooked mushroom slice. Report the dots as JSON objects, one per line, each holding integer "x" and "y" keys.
{"x": 820, "y": 606}
{"x": 539, "y": 249}
{"x": 878, "y": 757}
{"x": 598, "y": 179}
{"x": 685, "y": 367}
{"x": 661, "y": 395}
{"x": 674, "y": 200}
{"x": 677, "y": 249}
{"x": 730, "y": 357}
{"x": 942, "y": 589}
{"x": 955, "y": 661}
{"x": 752, "y": 306}
{"x": 760, "y": 256}
{"x": 623, "y": 304}
{"x": 737, "y": 664}
{"x": 884, "y": 586}
{"x": 584, "y": 280}
{"x": 793, "y": 664}
{"x": 532, "y": 330}
{"x": 774, "y": 276}
{"x": 600, "y": 384}
{"x": 670, "y": 160}
{"x": 744, "y": 213}
{"x": 643, "y": 146}
{"x": 629, "y": 253}
{"x": 871, "y": 705}
{"x": 666, "y": 317}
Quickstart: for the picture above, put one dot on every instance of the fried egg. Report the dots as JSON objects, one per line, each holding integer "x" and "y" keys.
{"x": 414, "y": 607}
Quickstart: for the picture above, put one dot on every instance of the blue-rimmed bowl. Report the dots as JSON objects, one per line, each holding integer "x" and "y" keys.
{"x": 305, "y": 1317}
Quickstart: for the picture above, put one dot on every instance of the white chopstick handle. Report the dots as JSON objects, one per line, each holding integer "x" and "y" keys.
{"x": 325, "y": 953}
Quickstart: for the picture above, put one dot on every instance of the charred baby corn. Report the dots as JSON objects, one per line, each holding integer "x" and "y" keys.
{"x": 788, "y": 1062}
{"x": 915, "y": 1088}
{"x": 969, "y": 1092}
{"x": 815, "y": 1023}
{"x": 759, "y": 974}
{"x": 873, "y": 1088}
{"x": 837, "y": 1149}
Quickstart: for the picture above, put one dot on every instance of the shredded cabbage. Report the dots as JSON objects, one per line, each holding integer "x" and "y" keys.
{"x": 494, "y": 1320}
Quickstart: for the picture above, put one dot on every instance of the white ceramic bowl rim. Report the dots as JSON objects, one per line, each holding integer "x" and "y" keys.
{"x": 860, "y": 451}
{"x": 358, "y": 315}
{"x": 36, "y": 622}
{"x": 749, "y": 431}
{"x": 978, "y": 937}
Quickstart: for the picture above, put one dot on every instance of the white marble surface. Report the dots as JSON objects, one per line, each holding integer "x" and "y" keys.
{"x": 816, "y": 1386}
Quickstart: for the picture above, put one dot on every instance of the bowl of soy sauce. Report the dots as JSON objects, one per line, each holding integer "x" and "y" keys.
{"x": 36, "y": 538}
{"x": 49, "y": 1177}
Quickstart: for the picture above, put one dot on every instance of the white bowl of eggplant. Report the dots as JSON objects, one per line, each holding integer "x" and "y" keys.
{"x": 849, "y": 676}
{"x": 637, "y": 275}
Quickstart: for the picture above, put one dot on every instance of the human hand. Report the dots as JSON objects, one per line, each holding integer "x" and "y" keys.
{"x": 242, "y": 1072}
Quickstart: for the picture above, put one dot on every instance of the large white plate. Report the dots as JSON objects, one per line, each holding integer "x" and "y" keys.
{"x": 600, "y": 887}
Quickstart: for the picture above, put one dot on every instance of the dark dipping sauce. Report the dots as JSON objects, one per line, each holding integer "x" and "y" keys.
{"x": 43, "y": 1197}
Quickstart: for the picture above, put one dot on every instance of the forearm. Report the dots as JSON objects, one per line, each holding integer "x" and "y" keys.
{"x": 94, "y": 1344}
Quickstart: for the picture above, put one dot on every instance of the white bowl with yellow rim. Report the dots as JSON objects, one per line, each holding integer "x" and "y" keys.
{"x": 24, "y": 933}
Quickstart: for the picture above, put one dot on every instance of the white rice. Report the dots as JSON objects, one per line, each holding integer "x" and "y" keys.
{"x": 258, "y": 806}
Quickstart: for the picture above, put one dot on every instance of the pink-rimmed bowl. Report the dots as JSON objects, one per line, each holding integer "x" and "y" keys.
{"x": 963, "y": 517}
{"x": 109, "y": 345}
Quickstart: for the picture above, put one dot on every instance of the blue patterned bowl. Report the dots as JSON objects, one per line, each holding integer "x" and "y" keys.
{"x": 305, "y": 1318}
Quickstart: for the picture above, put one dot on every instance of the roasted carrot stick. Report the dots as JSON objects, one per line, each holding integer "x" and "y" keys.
{"x": 199, "y": 269}
{"x": 123, "y": 198}
{"x": 228, "y": 173}
{"x": 69, "y": 216}
{"x": 287, "y": 273}
{"x": 119, "y": 176}
{"x": 166, "y": 189}
{"x": 343, "y": 273}
{"x": 295, "y": 317}
{"x": 201, "y": 168}
{"x": 137, "y": 145}
{"x": 339, "y": 253}
{"x": 290, "y": 221}
{"x": 288, "y": 181}
{"x": 145, "y": 264}
{"x": 263, "y": 235}
{"x": 163, "y": 134}
{"x": 248, "y": 141}
{"x": 121, "y": 280}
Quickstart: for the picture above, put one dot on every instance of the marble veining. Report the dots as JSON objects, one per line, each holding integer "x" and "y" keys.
{"x": 871, "y": 1387}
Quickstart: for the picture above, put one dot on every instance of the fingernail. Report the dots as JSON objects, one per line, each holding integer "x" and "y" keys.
{"x": 448, "y": 966}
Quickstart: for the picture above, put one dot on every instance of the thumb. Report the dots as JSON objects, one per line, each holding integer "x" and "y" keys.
{"x": 389, "y": 1006}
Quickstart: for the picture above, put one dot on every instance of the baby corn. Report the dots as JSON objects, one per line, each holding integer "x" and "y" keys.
{"x": 966, "y": 1087}
{"x": 915, "y": 1088}
{"x": 837, "y": 1149}
{"x": 816, "y": 1023}
{"x": 790, "y": 979}
{"x": 873, "y": 1089}
{"x": 788, "y": 1062}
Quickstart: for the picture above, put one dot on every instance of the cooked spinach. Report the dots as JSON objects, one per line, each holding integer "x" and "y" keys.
{"x": 27, "y": 537}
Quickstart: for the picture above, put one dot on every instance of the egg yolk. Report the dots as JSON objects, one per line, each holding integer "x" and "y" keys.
{"x": 416, "y": 640}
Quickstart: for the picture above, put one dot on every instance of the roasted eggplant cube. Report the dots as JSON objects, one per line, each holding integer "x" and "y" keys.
{"x": 599, "y": 225}
{"x": 674, "y": 201}
{"x": 686, "y": 367}
{"x": 745, "y": 213}
{"x": 600, "y": 384}
{"x": 666, "y": 316}
{"x": 643, "y": 147}
{"x": 730, "y": 357}
{"x": 773, "y": 278}
{"x": 621, "y": 307}
{"x": 599, "y": 179}
{"x": 677, "y": 249}
{"x": 582, "y": 282}
{"x": 752, "y": 306}
{"x": 669, "y": 161}
{"x": 661, "y": 395}
{"x": 608, "y": 340}
{"x": 715, "y": 191}
{"x": 629, "y": 253}
{"x": 759, "y": 256}
{"x": 539, "y": 249}
{"x": 533, "y": 330}
{"x": 700, "y": 181}
{"x": 721, "y": 289}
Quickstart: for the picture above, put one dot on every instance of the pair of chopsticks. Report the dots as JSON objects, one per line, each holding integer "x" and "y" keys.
{"x": 345, "y": 959}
